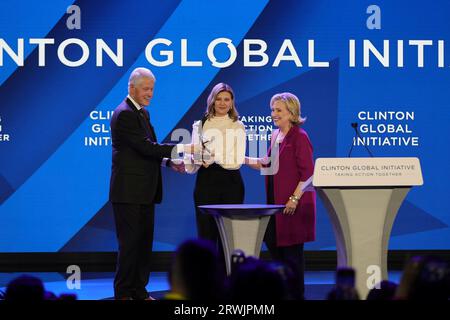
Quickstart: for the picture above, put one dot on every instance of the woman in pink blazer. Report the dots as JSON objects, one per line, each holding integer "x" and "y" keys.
{"x": 290, "y": 168}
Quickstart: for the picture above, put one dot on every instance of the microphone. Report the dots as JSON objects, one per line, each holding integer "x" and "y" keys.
{"x": 357, "y": 135}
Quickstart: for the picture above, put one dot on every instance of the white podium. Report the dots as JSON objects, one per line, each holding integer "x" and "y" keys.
{"x": 362, "y": 197}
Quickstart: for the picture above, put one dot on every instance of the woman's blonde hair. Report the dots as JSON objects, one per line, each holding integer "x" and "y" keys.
{"x": 292, "y": 104}
{"x": 218, "y": 88}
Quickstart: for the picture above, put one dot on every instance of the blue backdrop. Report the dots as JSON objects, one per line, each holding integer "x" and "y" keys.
{"x": 55, "y": 155}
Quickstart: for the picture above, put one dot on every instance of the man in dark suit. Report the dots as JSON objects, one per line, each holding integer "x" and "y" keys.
{"x": 136, "y": 184}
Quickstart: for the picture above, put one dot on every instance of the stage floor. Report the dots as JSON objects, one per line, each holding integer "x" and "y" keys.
{"x": 99, "y": 285}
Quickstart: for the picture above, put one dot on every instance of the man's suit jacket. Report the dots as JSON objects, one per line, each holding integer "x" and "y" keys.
{"x": 136, "y": 158}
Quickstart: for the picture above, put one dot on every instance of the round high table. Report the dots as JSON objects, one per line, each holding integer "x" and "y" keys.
{"x": 241, "y": 226}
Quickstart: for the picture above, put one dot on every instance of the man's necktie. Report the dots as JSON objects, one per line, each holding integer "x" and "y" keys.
{"x": 149, "y": 128}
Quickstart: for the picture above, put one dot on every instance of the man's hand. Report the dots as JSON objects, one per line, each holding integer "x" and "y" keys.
{"x": 177, "y": 166}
